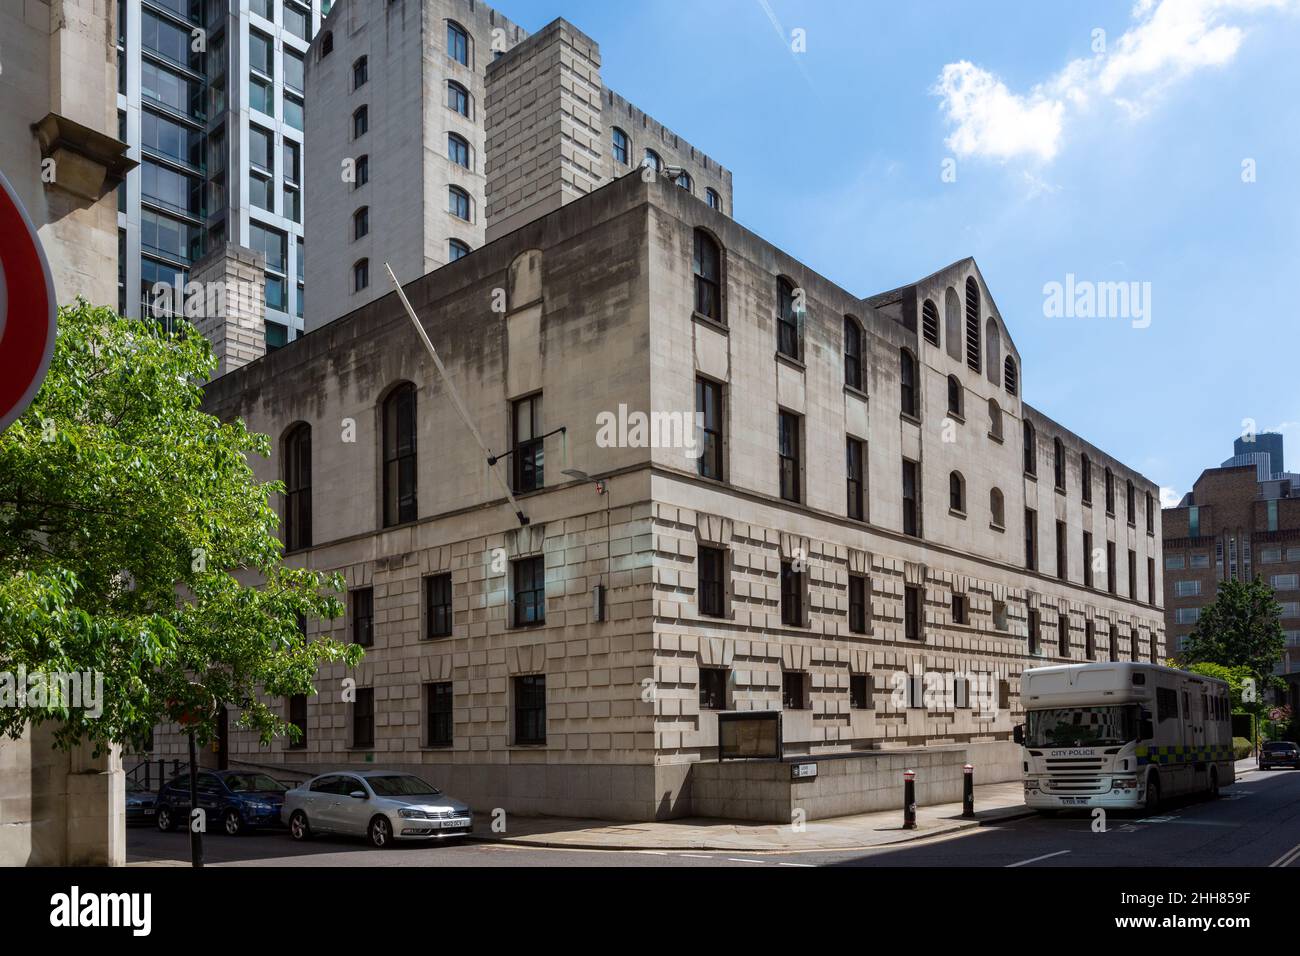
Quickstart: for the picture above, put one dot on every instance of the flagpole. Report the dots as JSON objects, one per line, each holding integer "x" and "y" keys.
{"x": 455, "y": 397}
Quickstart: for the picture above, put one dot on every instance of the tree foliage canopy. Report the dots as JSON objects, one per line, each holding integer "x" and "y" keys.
{"x": 136, "y": 542}
{"x": 1242, "y": 627}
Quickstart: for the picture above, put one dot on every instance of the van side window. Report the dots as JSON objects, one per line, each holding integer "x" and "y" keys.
{"x": 1166, "y": 704}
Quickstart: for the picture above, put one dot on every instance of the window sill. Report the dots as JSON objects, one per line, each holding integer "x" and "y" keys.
{"x": 435, "y": 747}
{"x": 791, "y": 361}
{"x": 1032, "y": 476}
{"x": 957, "y": 514}
{"x": 1059, "y": 490}
{"x": 527, "y": 745}
{"x": 908, "y": 417}
{"x": 999, "y": 528}
{"x": 716, "y": 324}
{"x": 996, "y": 438}
{"x": 1087, "y": 503}
{"x": 957, "y": 417}
{"x": 855, "y": 391}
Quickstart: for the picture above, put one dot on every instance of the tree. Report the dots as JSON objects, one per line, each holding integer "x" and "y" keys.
{"x": 1242, "y": 627}
{"x": 137, "y": 544}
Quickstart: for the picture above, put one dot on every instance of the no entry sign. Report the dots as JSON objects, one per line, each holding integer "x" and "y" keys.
{"x": 27, "y": 308}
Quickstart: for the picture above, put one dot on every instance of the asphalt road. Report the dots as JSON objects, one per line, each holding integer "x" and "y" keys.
{"x": 1255, "y": 823}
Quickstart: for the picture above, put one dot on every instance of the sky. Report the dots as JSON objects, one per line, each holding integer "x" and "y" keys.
{"x": 1153, "y": 144}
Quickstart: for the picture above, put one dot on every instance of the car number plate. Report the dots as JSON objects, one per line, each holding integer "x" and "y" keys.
{"x": 1075, "y": 801}
{"x": 449, "y": 824}
{"x": 148, "y": 811}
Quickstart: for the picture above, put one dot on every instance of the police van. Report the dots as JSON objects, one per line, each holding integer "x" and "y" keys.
{"x": 1122, "y": 735}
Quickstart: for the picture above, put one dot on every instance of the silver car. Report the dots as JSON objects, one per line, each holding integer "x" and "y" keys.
{"x": 381, "y": 805}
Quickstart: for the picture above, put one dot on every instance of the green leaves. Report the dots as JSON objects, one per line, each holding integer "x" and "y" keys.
{"x": 1241, "y": 629}
{"x": 135, "y": 541}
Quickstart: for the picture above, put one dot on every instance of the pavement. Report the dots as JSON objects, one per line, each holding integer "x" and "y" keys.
{"x": 993, "y": 803}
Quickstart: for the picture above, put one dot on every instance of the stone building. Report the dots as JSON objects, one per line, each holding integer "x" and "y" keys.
{"x": 1237, "y": 525}
{"x": 442, "y": 125}
{"x": 832, "y": 500}
{"x": 60, "y": 152}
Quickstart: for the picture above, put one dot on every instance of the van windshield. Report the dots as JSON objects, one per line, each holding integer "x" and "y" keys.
{"x": 1082, "y": 726}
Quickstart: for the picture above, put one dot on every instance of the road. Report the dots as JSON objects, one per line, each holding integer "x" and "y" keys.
{"x": 1255, "y": 823}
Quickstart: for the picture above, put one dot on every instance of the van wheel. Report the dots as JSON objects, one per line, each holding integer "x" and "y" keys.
{"x": 1152, "y": 803}
{"x": 1214, "y": 783}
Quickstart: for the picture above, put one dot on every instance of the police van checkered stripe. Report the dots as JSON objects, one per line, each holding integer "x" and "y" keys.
{"x": 1181, "y": 754}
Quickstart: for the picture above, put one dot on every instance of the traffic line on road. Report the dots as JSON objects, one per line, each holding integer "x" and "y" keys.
{"x": 1045, "y": 856}
{"x": 1289, "y": 857}
{"x": 734, "y": 859}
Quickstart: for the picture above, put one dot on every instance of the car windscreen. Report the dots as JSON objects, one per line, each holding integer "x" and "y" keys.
{"x": 401, "y": 785}
{"x": 1082, "y": 726}
{"x": 254, "y": 783}
{"x": 1277, "y": 747}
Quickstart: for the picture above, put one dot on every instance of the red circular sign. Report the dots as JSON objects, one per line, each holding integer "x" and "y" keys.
{"x": 27, "y": 308}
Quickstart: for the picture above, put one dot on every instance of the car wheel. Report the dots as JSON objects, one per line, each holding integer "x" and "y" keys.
{"x": 232, "y": 823}
{"x": 381, "y": 833}
{"x": 1152, "y": 803}
{"x": 1214, "y": 783}
{"x": 299, "y": 828}
{"x": 165, "y": 822}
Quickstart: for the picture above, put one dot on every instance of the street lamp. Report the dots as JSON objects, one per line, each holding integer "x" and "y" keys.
{"x": 598, "y": 593}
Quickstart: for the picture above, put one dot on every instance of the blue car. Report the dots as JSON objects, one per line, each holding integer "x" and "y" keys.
{"x": 232, "y": 800}
{"x": 140, "y": 803}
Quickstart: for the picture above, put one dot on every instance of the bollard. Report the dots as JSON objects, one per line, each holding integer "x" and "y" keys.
{"x": 909, "y": 799}
{"x": 968, "y": 791}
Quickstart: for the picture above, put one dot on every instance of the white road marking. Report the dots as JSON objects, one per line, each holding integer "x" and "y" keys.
{"x": 733, "y": 859}
{"x": 794, "y": 864}
{"x": 696, "y": 856}
{"x": 1287, "y": 858}
{"x": 1046, "y": 856}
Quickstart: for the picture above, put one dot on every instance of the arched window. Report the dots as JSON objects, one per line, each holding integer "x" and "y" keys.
{"x": 360, "y": 121}
{"x": 787, "y": 320}
{"x": 852, "y": 353}
{"x": 458, "y": 202}
{"x": 954, "y": 396}
{"x": 952, "y": 323}
{"x": 458, "y": 149}
{"x": 972, "y": 323}
{"x": 1151, "y": 519}
{"x": 362, "y": 172}
{"x": 1058, "y": 464}
{"x": 992, "y": 350}
{"x": 1085, "y": 477}
{"x": 458, "y": 98}
{"x": 956, "y": 492}
{"x": 621, "y": 146}
{"x": 707, "y": 264}
{"x": 713, "y": 199}
{"x": 456, "y": 250}
{"x": 997, "y": 508}
{"x": 1031, "y": 449}
{"x": 360, "y": 72}
{"x": 1010, "y": 378}
{"x": 457, "y": 43}
{"x": 360, "y": 275}
{"x": 907, "y": 383}
{"x": 361, "y": 222}
{"x": 1130, "y": 505}
{"x": 399, "y": 455}
{"x": 296, "y": 471}
{"x": 930, "y": 322}
{"x": 1110, "y": 492}
{"x": 652, "y": 160}
{"x": 684, "y": 180}
{"x": 995, "y": 419}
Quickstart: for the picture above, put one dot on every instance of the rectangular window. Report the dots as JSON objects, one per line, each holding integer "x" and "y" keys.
{"x": 1151, "y": 581}
{"x": 363, "y": 617}
{"x": 854, "y": 470}
{"x": 437, "y": 605}
{"x": 438, "y": 719}
{"x": 1031, "y": 539}
{"x": 1194, "y": 522}
{"x": 530, "y": 591}
{"x": 363, "y": 718}
{"x": 1132, "y": 575}
{"x": 1266, "y": 556}
{"x": 529, "y": 450}
{"x": 1087, "y": 559}
{"x": 708, "y": 405}
{"x": 1110, "y": 567}
{"x": 1284, "y": 582}
{"x": 788, "y": 454}
{"x": 1187, "y": 588}
{"x": 1033, "y": 628}
{"x": 1201, "y": 560}
{"x": 713, "y": 688}
{"x": 794, "y": 690}
{"x": 911, "y": 504}
{"x": 293, "y": 70}
{"x": 857, "y": 604}
{"x": 1174, "y": 562}
{"x": 1063, "y": 635}
{"x": 712, "y": 581}
{"x": 912, "y": 612}
{"x": 1187, "y": 615}
{"x": 1272, "y": 515}
{"x": 860, "y": 691}
{"x": 792, "y": 588}
{"x": 261, "y": 53}
{"x": 530, "y": 709}
{"x": 1062, "y": 561}
{"x": 1000, "y": 619}
{"x": 298, "y": 717}
{"x": 1090, "y": 641}
{"x": 959, "y": 609}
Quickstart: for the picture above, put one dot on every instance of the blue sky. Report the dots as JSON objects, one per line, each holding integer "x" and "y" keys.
{"x": 1122, "y": 164}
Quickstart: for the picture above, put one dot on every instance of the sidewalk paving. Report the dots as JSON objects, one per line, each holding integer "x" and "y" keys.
{"x": 993, "y": 802}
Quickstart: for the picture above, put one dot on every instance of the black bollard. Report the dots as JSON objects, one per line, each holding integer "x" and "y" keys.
{"x": 968, "y": 791}
{"x": 909, "y": 799}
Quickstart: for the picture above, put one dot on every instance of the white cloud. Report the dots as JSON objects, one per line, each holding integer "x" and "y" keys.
{"x": 1167, "y": 41}
{"x": 1169, "y": 498}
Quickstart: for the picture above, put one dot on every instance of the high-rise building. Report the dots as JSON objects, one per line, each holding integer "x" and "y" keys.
{"x": 1268, "y": 443}
{"x": 442, "y": 125}
{"x": 1237, "y": 524}
{"x": 211, "y": 99}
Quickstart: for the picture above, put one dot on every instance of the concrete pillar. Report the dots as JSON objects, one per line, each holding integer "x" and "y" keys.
{"x": 231, "y": 280}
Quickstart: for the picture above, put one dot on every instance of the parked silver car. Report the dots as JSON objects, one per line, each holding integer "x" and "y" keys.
{"x": 382, "y": 805}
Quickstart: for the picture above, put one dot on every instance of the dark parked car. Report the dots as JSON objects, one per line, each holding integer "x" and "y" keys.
{"x": 1279, "y": 753}
{"x": 234, "y": 801}
{"x": 140, "y": 803}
